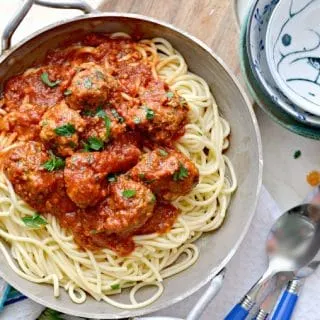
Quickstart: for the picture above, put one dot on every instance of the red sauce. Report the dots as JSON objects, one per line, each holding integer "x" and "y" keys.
{"x": 313, "y": 178}
{"x": 162, "y": 220}
{"x": 91, "y": 75}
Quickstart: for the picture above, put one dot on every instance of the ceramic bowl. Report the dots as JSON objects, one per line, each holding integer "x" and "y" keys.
{"x": 257, "y": 26}
{"x": 269, "y": 103}
{"x": 293, "y": 51}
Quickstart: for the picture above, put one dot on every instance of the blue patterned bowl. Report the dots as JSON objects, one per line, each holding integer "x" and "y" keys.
{"x": 271, "y": 101}
{"x": 293, "y": 51}
{"x": 255, "y": 29}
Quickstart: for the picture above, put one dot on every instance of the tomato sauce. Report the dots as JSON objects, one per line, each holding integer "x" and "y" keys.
{"x": 106, "y": 93}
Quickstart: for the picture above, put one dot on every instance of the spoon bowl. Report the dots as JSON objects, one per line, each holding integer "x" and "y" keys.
{"x": 293, "y": 242}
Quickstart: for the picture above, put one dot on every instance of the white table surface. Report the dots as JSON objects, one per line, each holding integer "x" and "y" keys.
{"x": 284, "y": 176}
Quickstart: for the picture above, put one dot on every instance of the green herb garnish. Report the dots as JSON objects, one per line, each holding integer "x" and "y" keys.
{"x": 181, "y": 173}
{"x": 87, "y": 83}
{"x": 100, "y": 112}
{"x": 66, "y": 130}
{"x": 170, "y": 94}
{"x": 141, "y": 176}
{"x": 163, "y": 153}
{"x": 35, "y": 221}
{"x": 149, "y": 114}
{"x": 112, "y": 177}
{"x": 72, "y": 144}
{"x": 115, "y": 286}
{"x": 99, "y": 75}
{"x": 67, "y": 92}
{"x": 153, "y": 198}
{"x": 297, "y": 154}
{"x": 136, "y": 120}
{"x": 117, "y": 116}
{"x": 107, "y": 122}
{"x": 129, "y": 193}
{"x": 94, "y": 144}
{"x": 45, "y": 79}
{"x": 54, "y": 163}
{"x": 88, "y": 113}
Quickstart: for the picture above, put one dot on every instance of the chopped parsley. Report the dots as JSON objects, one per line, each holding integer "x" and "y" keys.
{"x": 66, "y": 130}
{"x": 129, "y": 193}
{"x": 88, "y": 113}
{"x": 45, "y": 79}
{"x": 93, "y": 144}
{"x": 44, "y": 123}
{"x": 170, "y": 94}
{"x": 87, "y": 83}
{"x": 149, "y": 114}
{"x": 99, "y": 75}
{"x": 107, "y": 122}
{"x": 35, "y": 221}
{"x": 181, "y": 173}
{"x": 117, "y": 116}
{"x": 72, "y": 144}
{"x": 54, "y": 163}
{"x": 100, "y": 112}
{"x": 112, "y": 177}
{"x": 163, "y": 153}
{"x": 67, "y": 92}
{"x": 141, "y": 176}
{"x": 153, "y": 198}
{"x": 115, "y": 286}
{"x": 136, "y": 120}
{"x": 297, "y": 154}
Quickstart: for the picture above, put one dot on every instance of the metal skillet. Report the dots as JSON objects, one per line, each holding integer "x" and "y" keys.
{"x": 217, "y": 248}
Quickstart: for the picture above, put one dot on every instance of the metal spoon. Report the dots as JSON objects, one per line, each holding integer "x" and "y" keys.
{"x": 293, "y": 241}
{"x": 289, "y": 298}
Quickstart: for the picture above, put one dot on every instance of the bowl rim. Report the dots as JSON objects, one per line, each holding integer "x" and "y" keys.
{"x": 230, "y": 254}
{"x": 300, "y": 101}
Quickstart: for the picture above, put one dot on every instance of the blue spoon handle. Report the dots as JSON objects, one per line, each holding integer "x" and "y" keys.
{"x": 237, "y": 313}
{"x": 288, "y": 301}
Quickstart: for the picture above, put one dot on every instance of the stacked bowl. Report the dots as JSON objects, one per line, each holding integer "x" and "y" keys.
{"x": 280, "y": 57}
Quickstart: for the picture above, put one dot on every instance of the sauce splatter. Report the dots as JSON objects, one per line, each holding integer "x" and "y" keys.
{"x": 313, "y": 178}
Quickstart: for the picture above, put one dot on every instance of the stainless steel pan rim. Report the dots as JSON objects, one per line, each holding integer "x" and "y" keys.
{"x": 58, "y": 306}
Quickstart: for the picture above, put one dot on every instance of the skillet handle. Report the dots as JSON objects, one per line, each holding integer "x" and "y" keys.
{"x": 13, "y": 24}
{"x": 67, "y": 4}
{"x": 24, "y": 9}
{"x": 213, "y": 289}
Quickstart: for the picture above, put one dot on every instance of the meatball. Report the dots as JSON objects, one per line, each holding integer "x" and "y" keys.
{"x": 43, "y": 190}
{"x": 128, "y": 206}
{"x": 85, "y": 173}
{"x": 162, "y": 114}
{"x": 60, "y": 128}
{"x": 84, "y": 176}
{"x": 96, "y": 125}
{"x": 89, "y": 87}
{"x": 168, "y": 173}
